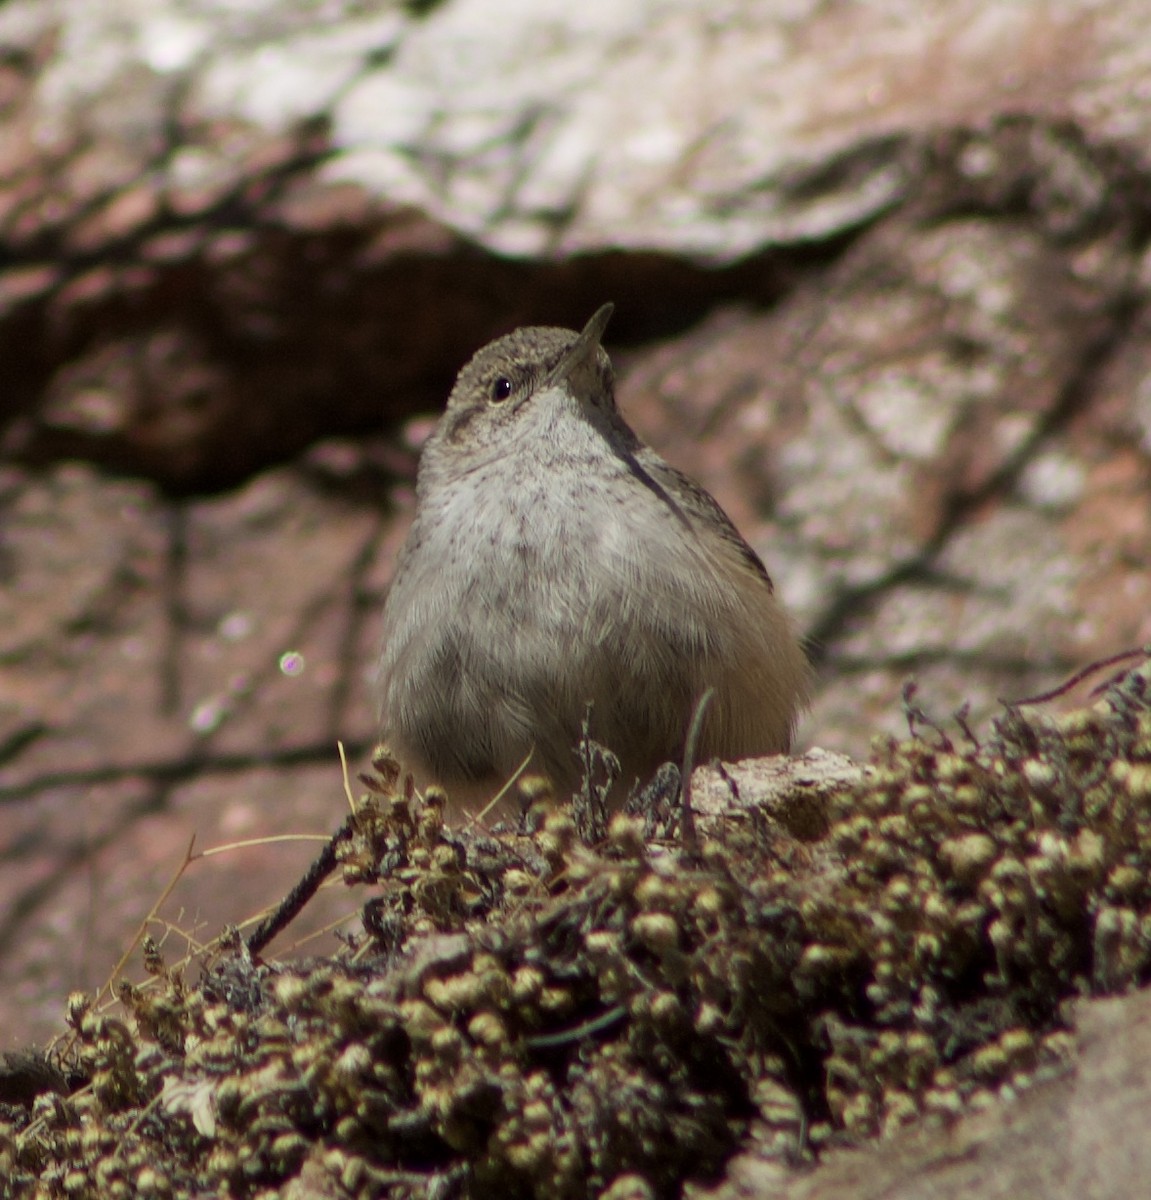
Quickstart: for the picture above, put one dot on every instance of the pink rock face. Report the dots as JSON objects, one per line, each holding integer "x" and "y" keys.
{"x": 900, "y": 335}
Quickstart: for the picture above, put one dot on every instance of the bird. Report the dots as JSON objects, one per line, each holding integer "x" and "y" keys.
{"x": 558, "y": 577}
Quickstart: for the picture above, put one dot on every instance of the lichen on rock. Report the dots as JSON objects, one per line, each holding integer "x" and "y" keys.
{"x": 528, "y": 1015}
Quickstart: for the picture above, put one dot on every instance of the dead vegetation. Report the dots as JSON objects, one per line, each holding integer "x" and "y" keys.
{"x": 523, "y": 1014}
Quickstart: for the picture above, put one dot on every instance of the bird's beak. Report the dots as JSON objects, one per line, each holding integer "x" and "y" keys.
{"x": 582, "y": 351}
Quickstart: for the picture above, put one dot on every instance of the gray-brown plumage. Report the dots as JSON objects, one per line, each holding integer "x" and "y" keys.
{"x": 556, "y": 563}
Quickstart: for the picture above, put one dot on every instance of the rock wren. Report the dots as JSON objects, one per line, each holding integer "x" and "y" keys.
{"x": 557, "y": 571}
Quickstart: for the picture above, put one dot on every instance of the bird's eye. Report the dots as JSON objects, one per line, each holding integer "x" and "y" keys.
{"x": 502, "y": 388}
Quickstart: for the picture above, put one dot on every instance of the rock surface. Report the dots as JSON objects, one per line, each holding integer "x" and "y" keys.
{"x": 1081, "y": 1137}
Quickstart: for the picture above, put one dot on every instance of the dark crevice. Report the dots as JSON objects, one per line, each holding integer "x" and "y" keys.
{"x": 182, "y": 769}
